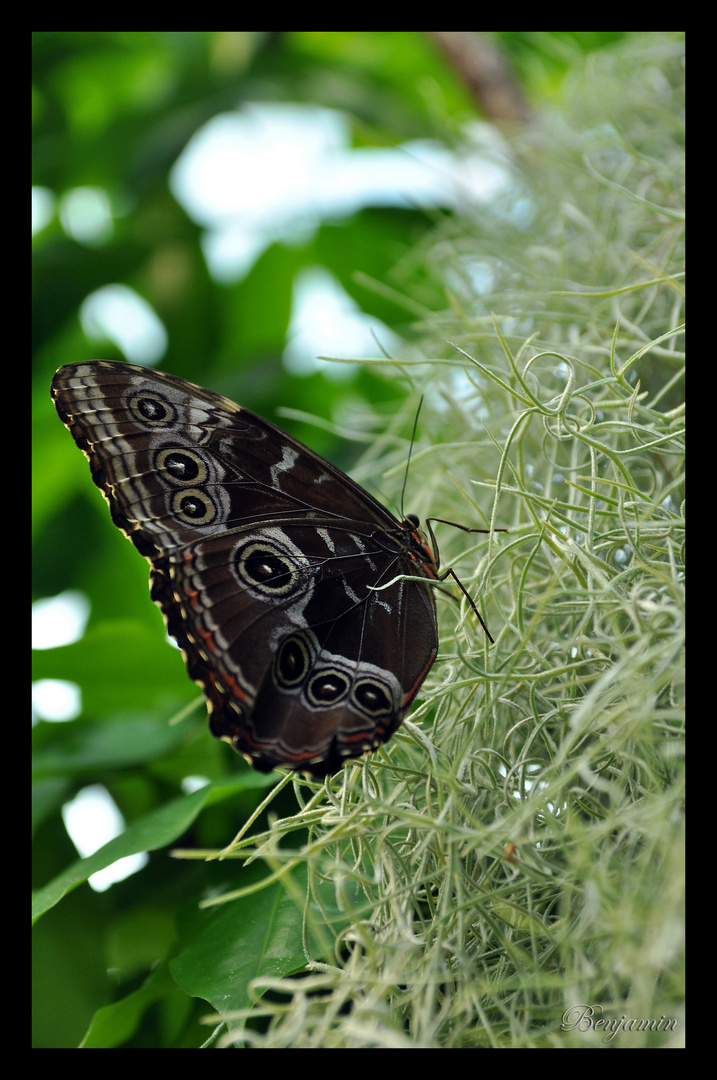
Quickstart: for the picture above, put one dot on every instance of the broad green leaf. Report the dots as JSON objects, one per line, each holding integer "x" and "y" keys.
{"x": 155, "y": 830}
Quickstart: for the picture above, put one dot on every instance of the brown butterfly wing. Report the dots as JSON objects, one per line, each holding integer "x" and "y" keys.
{"x": 265, "y": 561}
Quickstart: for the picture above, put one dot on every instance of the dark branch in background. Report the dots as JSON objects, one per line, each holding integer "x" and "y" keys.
{"x": 486, "y": 74}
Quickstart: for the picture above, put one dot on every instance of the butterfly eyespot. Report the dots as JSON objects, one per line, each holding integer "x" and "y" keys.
{"x": 193, "y": 507}
{"x": 180, "y": 466}
{"x": 373, "y": 698}
{"x": 293, "y": 662}
{"x": 267, "y": 569}
{"x": 327, "y": 687}
{"x": 152, "y": 410}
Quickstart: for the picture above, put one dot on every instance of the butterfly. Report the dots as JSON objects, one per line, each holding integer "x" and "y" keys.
{"x": 284, "y": 583}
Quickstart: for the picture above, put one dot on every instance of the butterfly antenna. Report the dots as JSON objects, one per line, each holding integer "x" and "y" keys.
{"x": 410, "y": 451}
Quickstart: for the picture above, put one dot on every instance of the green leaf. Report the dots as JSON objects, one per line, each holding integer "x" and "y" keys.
{"x": 155, "y": 830}
{"x": 227, "y": 945}
{"x": 115, "y": 1024}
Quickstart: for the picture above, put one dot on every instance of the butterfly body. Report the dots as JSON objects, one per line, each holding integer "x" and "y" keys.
{"x": 274, "y": 571}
